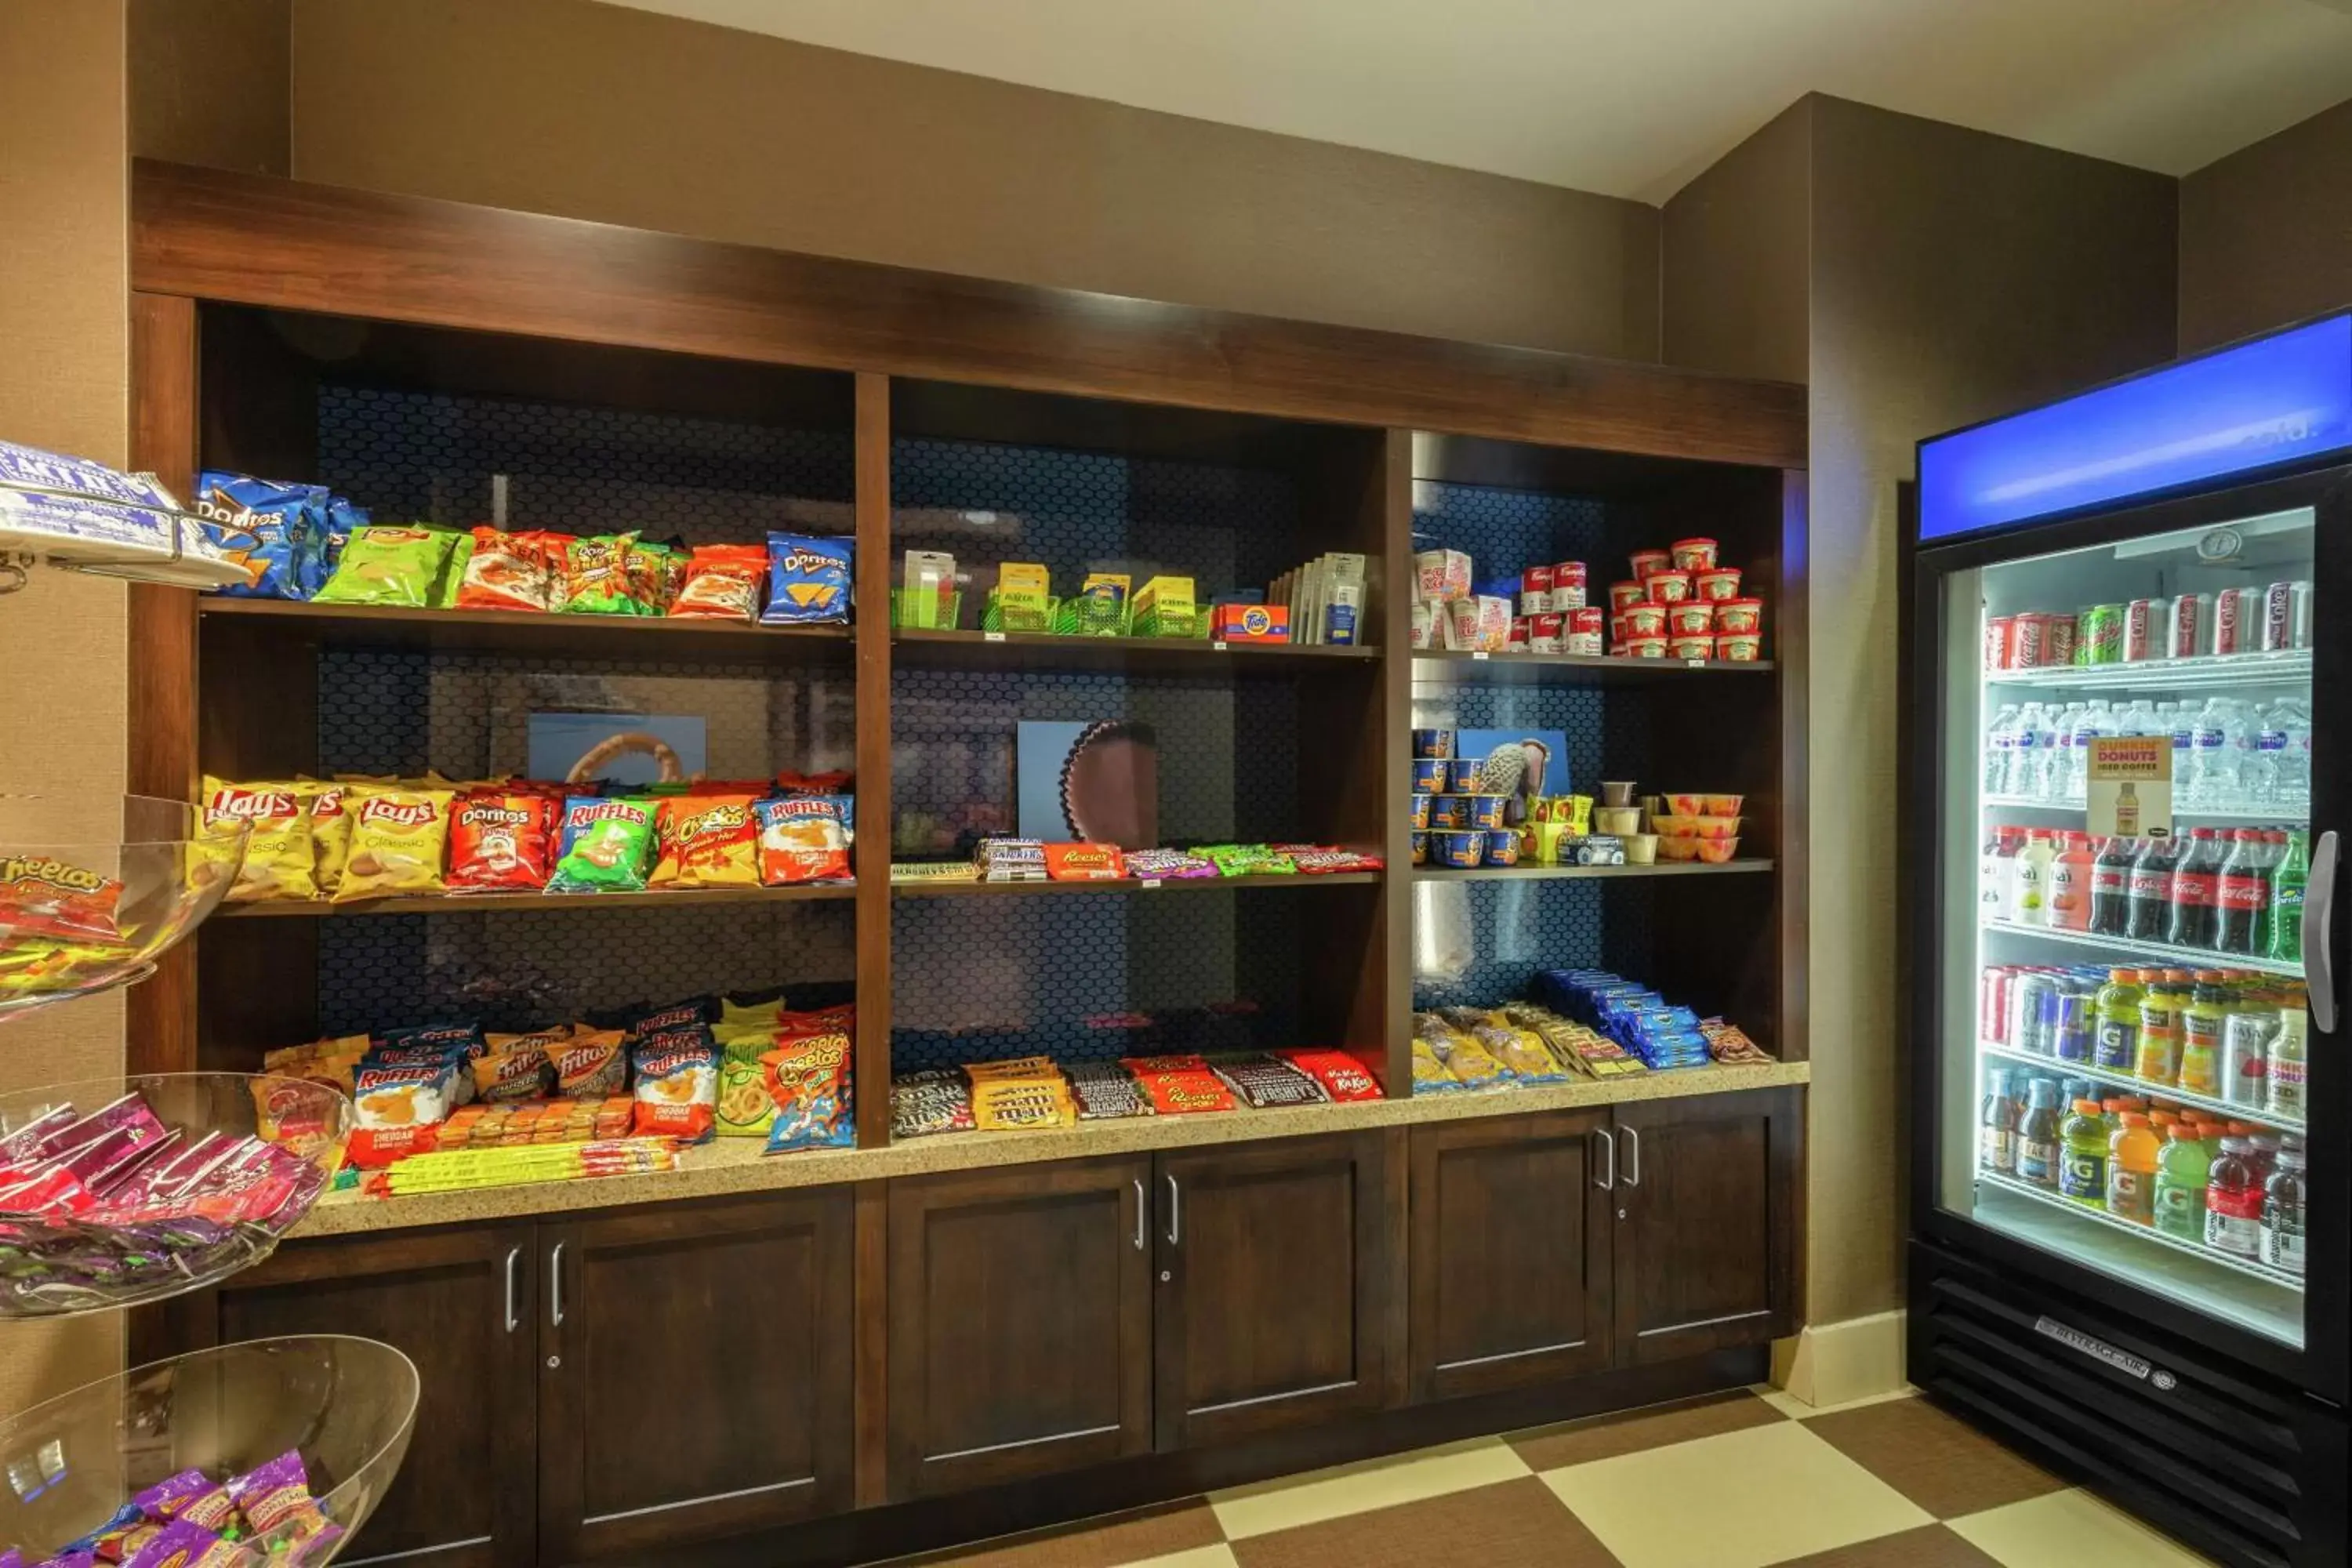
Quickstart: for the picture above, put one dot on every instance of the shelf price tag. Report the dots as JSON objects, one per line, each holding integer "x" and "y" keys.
{"x": 1216, "y": 647}
{"x": 991, "y": 636}
{"x": 1696, "y": 663}
{"x": 1480, "y": 657}
{"x": 1149, "y": 882}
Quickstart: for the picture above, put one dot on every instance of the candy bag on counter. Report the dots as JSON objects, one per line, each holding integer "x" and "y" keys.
{"x": 607, "y": 843}
{"x": 398, "y": 840}
{"x": 391, "y": 563}
{"x": 597, "y": 578}
{"x": 279, "y": 862}
{"x": 808, "y": 579}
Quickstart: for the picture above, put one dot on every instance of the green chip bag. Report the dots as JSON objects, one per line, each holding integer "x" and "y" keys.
{"x": 453, "y": 576}
{"x": 391, "y": 563}
{"x": 596, "y": 579}
{"x": 607, "y": 844}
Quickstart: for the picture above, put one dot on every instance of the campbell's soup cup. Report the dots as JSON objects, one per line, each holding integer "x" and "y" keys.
{"x": 1645, "y": 648}
{"x": 1740, "y": 617}
{"x": 1745, "y": 647}
{"x": 1645, "y": 562}
{"x": 1623, "y": 594}
{"x": 1645, "y": 620}
{"x": 1669, "y": 587}
{"x": 1700, "y": 647}
{"x": 1693, "y": 554}
{"x": 1691, "y": 618}
{"x": 1715, "y": 584}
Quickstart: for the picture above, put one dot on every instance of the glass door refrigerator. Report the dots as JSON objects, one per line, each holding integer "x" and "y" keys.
{"x": 2127, "y": 798}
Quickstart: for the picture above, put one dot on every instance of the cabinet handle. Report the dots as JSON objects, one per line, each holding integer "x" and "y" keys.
{"x": 1175, "y": 1212}
{"x": 555, "y": 1287}
{"x": 1142, "y": 1202}
{"x": 2318, "y": 913}
{"x": 1607, "y": 1183}
{"x": 1632, "y": 1158}
{"x": 514, "y": 1256}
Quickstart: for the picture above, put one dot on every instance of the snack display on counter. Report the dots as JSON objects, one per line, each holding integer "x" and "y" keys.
{"x": 353, "y": 840}
{"x": 1663, "y": 1034}
{"x": 190, "y": 1520}
{"x": 1676, "y": 603}
{"x": 1037, "y": 1092}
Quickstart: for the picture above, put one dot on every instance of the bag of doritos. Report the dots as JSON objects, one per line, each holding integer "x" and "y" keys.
{"x": 271, "y": 530}
{"x": 808, "y": 579}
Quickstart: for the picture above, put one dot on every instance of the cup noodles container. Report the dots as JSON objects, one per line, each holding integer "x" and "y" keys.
{"x": 1715, "y": 584}
{"x": 1425, "y": 624}
{"x": 1442, "y": 576}
{"x": 1493, "y": 623}
{"x": 1691, "y": 618}
{"x": 1545, "y": 632}
{"x": 1699, "y": 646}
{"x": 1535, "y": 590}
{"x": 1740, "y": 617}
{"x": 1645, "y": 620}
{"x": 1623, "y": 594}
{"x": 1645, "y": 648}
{"x": 1670, "y": 588}
{"x": 1743, "y": 647}
{"x": 1568, "y": 585}
{"x": 1645, "y": 562}
{"x": 1462, "y": 624}
{"x": 2058, "y": 640}
{"x": 1693, "y": 554}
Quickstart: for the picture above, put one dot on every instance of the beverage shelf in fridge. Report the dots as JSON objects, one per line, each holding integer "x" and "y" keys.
{"x": 2251, "y": 815}
{"x": 2124, "y": 948}
{"x": 2252, "y": 1268}
{"x": 2138, "y": 1085}
{"x": 2284, "y": 666}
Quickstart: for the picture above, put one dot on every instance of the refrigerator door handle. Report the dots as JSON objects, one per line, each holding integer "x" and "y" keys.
{"x": 2318, "y": 913}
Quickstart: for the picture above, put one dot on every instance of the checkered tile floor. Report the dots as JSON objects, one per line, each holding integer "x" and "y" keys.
{"x": 1737, "y": 1481}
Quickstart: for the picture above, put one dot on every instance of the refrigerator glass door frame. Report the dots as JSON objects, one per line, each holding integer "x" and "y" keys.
{"x": 1925, "y": 863}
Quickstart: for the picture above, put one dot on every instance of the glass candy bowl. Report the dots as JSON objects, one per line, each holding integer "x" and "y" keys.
{"x": 92, "y": 891}
{"x": 343, "y": 1406}
{"x": 132, "y": 1189}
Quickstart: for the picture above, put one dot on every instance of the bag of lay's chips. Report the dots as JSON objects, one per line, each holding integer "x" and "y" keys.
{"x": 269, "y": 528}
{"x": 385, "y": 564}
{"x": 808, "y": 579}
{"x": 330, "y": 830}
{"x": 398, "y": 840}
{"x": 279, "y": 861}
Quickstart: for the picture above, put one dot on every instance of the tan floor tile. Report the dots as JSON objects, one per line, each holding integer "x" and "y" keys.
{"x": 2071, "y": 1529}
{"x": 1788, "y": 1404}
{"x": 1169, "y": 1533}
{"x": 1512, "y": 1524}
{"x": 1374, "y": 1483}
{"x": 1217, "y": 1556}
{"x": 1934, "y": 1547}
{"x": 1937, "y": 1460}
{"x": 1742, "y": 1500}
{"x": 1631, "y": 1431}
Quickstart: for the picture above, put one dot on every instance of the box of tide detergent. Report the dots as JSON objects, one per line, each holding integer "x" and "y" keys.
{"x": 1250, "y": 622}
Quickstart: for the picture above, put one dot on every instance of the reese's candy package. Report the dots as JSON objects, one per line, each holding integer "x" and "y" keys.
{"x": 677, "y": 1087}
{"x": 808, "y": 579}
{"x": 708, "y": 841}
{"x": 398, "y": 836}
{"x": 1084, "y": 862}
{"x": 501, "y": 841}
{"x": 722, "y": 582}
{"x": 605, "y": 846}
{"x": 805, "y": 838}
{"x": 596, "y": 577}
{"x": 391, "y": 563}
{"x": 506, "y": 572}
{"x": 279, "y": 859}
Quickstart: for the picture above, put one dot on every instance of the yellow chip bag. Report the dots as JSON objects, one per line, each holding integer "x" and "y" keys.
{"x": 279, "y": 860}
{"x": 397, "y": 839}
{"x": 331, "y": 829}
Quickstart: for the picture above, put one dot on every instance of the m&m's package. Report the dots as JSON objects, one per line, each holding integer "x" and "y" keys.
{"x": 808, "y": 579}
{"x": 605, "y": 848}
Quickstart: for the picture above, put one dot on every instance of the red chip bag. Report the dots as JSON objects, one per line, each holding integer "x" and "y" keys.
{"x": 506, "y": 572}
{"x": 501, "y": 841}
{"x": 723, "y": 582}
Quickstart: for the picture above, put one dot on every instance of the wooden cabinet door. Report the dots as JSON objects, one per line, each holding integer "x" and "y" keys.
{"x": 457, "y": 1303}
{"x": 695, "y": 1377}
{"x": 1707, "y": 1231}
{"x": 1511, "y": 1235}
{"x": 1277, "y": 1305}
{"x": 1020, "y": 1306}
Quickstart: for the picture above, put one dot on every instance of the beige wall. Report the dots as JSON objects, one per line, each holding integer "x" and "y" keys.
{"x": 1737, "y": 250}
{"x": 2266, "y": 233}
{"x": 63, "y": 273}
{"x": 209, "y": 82}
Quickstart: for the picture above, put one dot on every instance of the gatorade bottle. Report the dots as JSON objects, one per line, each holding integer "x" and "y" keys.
{"x": 2183, "y": 1173}
{"x": 2242, "y": 905}
{"x": 2202, "y": 1023}
{"x": 2283, "y": 1221}
{"x": 2195, "y": 885}
{"x": 2159, "y": 1027}
{"x": 1997, "y": 1122}
{"x": 2083, "y": 1170}
{"x": 2111, "y": 887}
{"x": 2029, "y": 881}
{"x": 2037, "y": 1136}
{"x": 2150, "y": 889}
{"x": 2234, "y": 1200}
{"x": 2287, "y": 884}
{"x": 2071, "y": 877}
{"x": 2117, "y": 1010}
{"x": 2132, "y": 1155}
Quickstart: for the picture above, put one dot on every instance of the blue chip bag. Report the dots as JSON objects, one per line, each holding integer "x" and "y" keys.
{"x": 808, "y": 580}
{"x": 275, "y": 532}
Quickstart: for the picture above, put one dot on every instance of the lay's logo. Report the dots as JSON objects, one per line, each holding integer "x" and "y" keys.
{"x": 251, "y": 805}
{"x": 398, "y": 812}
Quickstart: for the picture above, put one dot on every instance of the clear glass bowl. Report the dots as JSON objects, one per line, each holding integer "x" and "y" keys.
{"x": 93, "y": 890}
{"x": 183, "y": 1237}
{"x": 345, "y": 1405}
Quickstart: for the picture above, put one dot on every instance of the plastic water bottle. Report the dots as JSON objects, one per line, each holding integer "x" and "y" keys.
{"x": 2141, "y": 720}
{"x": 2260, "y": 779}
{"x": 2293, "y": 786}
{"x": 2050, "y": 754}
{"x": 2245, "y": 750}
{"x": 2021, "y": 774}
{"x": 2181, "y": 720}
{"x": 2000, "y": 740}
{"x": 2210, "y": 758}
{"x": 2095, "y": 722}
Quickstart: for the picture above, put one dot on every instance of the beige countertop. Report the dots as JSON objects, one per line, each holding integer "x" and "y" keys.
{"x": 732, "y": 1166}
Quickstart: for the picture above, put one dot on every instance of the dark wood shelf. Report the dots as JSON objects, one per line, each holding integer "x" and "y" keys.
{"x": 1040, "y": 650}
{"x": 1132, "y": 885}
{"x": 1519, "y": 873}
{"x": 515, "y": 631}
{"x": 516, "y": 903}
{"x": 1570, "y": 668}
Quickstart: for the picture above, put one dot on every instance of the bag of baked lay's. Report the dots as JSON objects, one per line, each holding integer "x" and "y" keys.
{"x": 808, "y": 579}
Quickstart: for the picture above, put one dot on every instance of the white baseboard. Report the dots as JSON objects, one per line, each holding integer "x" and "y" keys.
{"x": 1837, "y": 1363}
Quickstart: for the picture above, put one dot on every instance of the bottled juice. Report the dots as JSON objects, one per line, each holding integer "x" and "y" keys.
{"x": 2202, "y": 1023}
{"x": 2283, "y": 1220}
{"x": 1997, "y": 1141}
{"x": 2284, "y": 1074}
{"x": 2159, "y": 1026}
{"x": 2132, "y": 1155}
{"x": 2183, "y": 1173}
{"x": 2234, "y": 1200}
{"x": 2083, "y": 1170}
{"x": 2037, "y": 1136}
{"x": 2117, "y": 1009}
{"x": 2029, "y": 884}
{"x": 2071, "y": 874}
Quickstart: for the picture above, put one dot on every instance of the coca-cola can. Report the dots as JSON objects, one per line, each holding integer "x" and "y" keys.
{"x": 2028, "y": 639}
{"x": 2058, "y": 639}
{"x": 2281, "y": 603}
{"x": 2192, "y": 630}
{"x": 2236, "y": 614}
{"x": 2000, "y": 633}
{"x": 2143, "y": 629}
{"x": 1992, "y": 1004}
{"x": 2302, "y": 616}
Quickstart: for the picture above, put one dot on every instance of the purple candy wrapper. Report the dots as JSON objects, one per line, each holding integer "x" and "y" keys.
{"x": 272, "y": 1492}
{"x": 23, "y": 1147}
{"x": 180, "y": 1544}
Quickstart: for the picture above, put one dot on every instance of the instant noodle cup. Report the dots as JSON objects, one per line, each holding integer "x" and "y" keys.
{"x": 1428, "y": 775}
{"x": 1432, "y": 745}
{"x": 1691, "y": 618}
{"x": 1739, "y": 649}
{"x": 1486, "y": 810}
{"x": 1645, "y": 620}
{"x": 1623, "y": 594}
{"x": 1421, "y": 811}
{"x": 1701, "y": 646}
{"x": 1715, "y": 584}
{"x": 1717, "y": 851}
{"x": 1462, "y": 851}
{"x": 1449, "y": 813}
{"x": 1461, "y": 776}
{"x": 1722, "y": 804}
{"x": 1668, "y": 587}
{"x": 1462, "y": 624}
{"x": 1740, "y": 617}
{"x": 1503, "y": 846}
{"x": 1693, "y": 554}
{"x": 1645, "y": 562}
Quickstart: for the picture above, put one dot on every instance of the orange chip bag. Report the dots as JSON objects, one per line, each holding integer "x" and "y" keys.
{"x": 279, "y": 861}
{"x": 708, "y": 841}
{"x": 723, "y": 582}
{"x": 397, "y": 839}
{"x": 591, "y": 1065}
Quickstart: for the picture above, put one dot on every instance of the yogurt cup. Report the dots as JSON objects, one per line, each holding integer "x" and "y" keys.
{"x": 1645, "y": 562}
{"x": 1670, "y": 588}
{"x": 1461, "y": 776}
{"x": 1645, "y": 648}
{"x": 1623, "y": 594}
{"x": 1421, "y": 811}
{"x": 1449, "y": 813}
{"x": 1645, "y": 620}
{"x": 1428, "y": 775}
{"x": 1693, "y": 554}
{"x": 1700, "y": 647}
{"x": 1741, "y": 647}
{"x": 1460, "y": 850}
{"x": 1691, "y": 618}
{"x": 1740, "y": 617}
{"x": 1503, "y": 846}
{"x": 1716, "y": 583}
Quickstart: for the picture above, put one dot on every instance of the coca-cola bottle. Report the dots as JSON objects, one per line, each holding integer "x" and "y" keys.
{"x": 2196, "y": 888}
{"x": 2111, "y": 887}
{"x": 2150, "y": 888}
{"x": 2244, "y": 906}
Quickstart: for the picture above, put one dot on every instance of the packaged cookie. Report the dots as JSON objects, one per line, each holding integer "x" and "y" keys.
{"x": 279, "y": 862}
{"x": 505, "y": 571}
{"x": 805, "y": 838}
{"x": 808, "y": 579}
{"x": 398, "y": 840}
{"x": 708, "y": 841}
{"x": 391, "y": 563}
{"x": 606, "y": 844}
{"x": 722, "y": 582}
{"x": 501, "y": 841}
{"x": 596, "y": 577}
